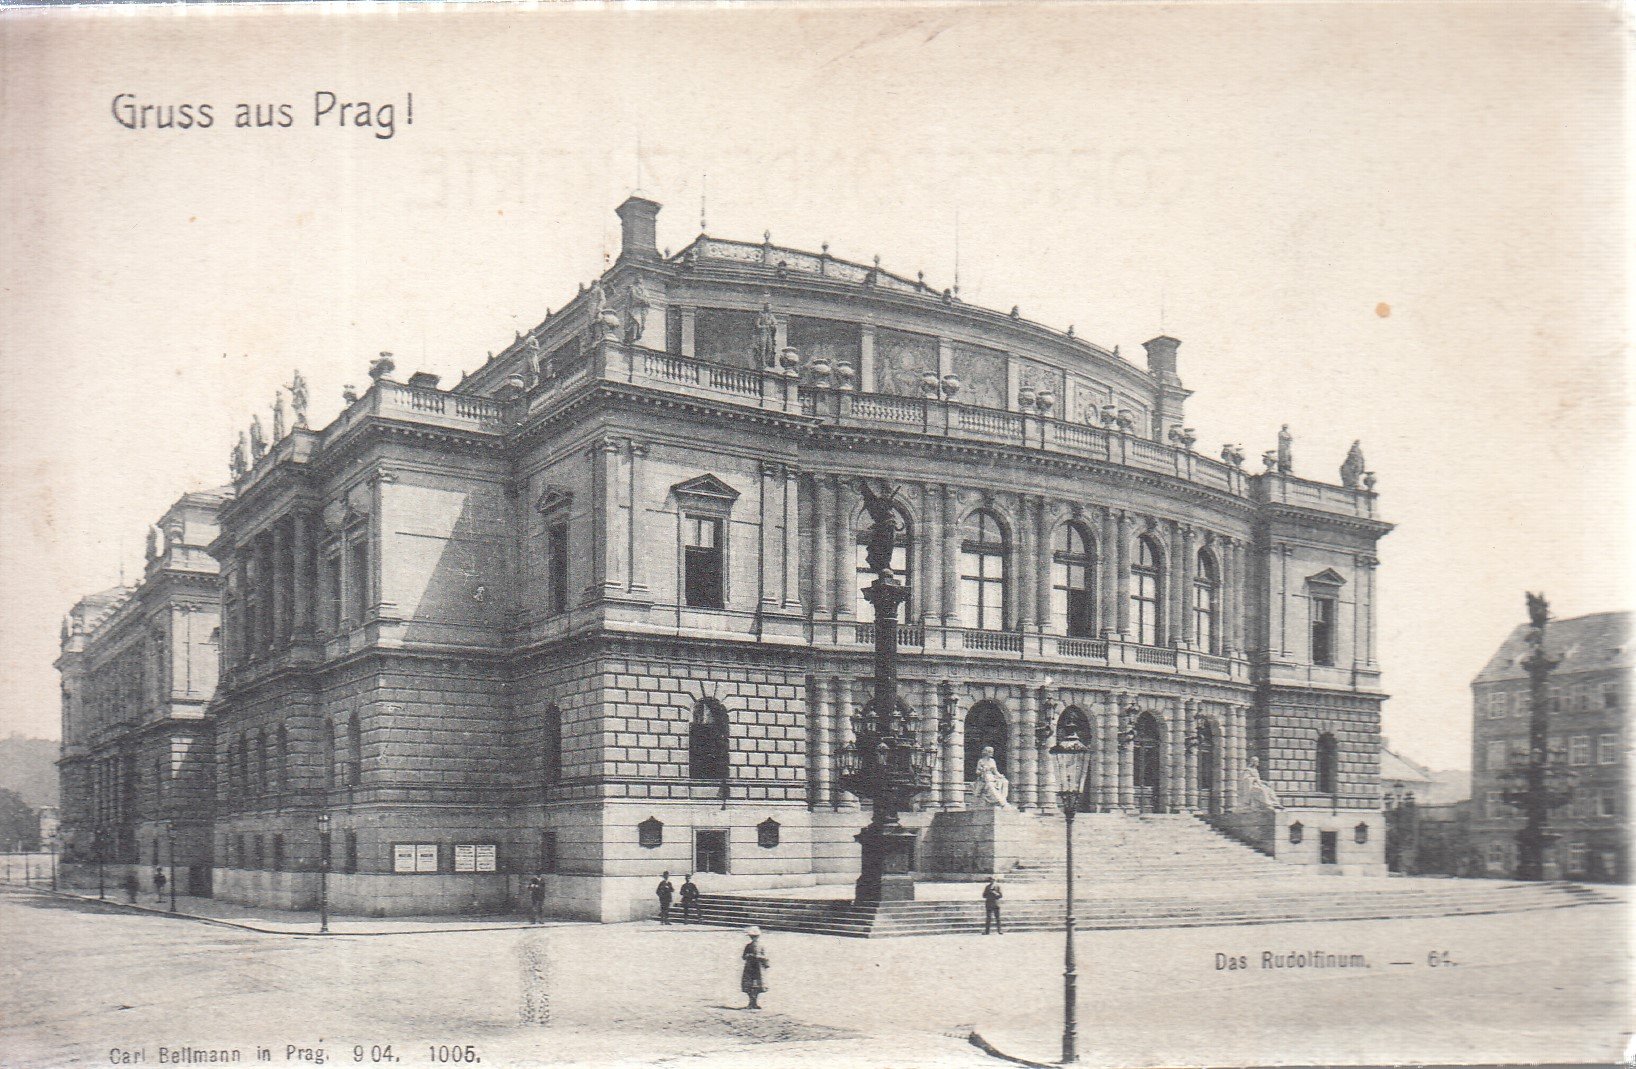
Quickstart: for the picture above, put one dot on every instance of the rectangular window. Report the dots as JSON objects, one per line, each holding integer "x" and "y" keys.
{"x": 556, "y": 567}
{"x": 278, "y": 853}
{"x": 1582, "y": 698}
{"x": 1579, "y": 750}
{"x": 1610, "y": 695}
{"x": 358, "y": 579}
{"x": 1499, "y": 755}
{"x": 702, "y": 562}
{"x": 329, "y": 585}
{"x": 1496, "y": 706}
{"x": 1607, "y": 803}
{"x": 1323, "y": 631}
{"x": 1493, "y": 804}
{"x": 349, "y": 852}
{"x": 1519, "y": 703}
{"x": 710, "y": 851}
{"x": 1554, "y": 698}
{"x": 1578, "y": 855}
{"x": 1607, "y": 749}
{"x": 548, "y": 851}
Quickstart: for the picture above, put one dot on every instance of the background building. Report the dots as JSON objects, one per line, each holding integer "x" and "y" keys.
{"x": 1589, "y": 731}
{"x": 596, "y": 611}
{"x": 139, "y": 665}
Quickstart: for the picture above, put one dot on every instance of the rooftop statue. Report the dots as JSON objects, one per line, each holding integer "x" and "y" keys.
{"x": 1286, "y": 458}
{"x": 1539, "y": 611}
{"x": 1352, "y": 468}
{"x": 278, "y": 416}
{"x": 298, "y": 399}
{"x": 239, "y": 463}
{"x": 258, "y": 440}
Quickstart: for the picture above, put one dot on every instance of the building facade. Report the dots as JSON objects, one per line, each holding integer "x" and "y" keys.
{"x": 1588, "y": 704}
{"x": 139, "y": 666}
{"x": 596, "y": 611}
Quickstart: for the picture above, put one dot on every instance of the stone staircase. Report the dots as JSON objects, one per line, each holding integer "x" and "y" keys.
{"x": 1151, "y": 871}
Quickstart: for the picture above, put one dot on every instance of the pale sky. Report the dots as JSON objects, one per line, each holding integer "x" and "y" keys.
{"x": 1255, "y": 179}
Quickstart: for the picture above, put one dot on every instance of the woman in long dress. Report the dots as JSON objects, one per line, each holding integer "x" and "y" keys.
{"x": 754, "y": 980}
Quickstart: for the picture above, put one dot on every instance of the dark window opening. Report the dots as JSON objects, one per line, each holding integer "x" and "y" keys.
{"x": 1323, "y": 631}
{"x": 556, "y": 564}
{"x": 708, "y": 743}
{"x": 1328, "y": 761}
{"x": 702, "y": 563}
{"x": 710, "y": 851}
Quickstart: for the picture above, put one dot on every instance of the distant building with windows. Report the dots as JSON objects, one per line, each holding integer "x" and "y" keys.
{"x": 138, "y": 667}
{"x": 596, "y": 610}
{"x": 1589, "y": 735}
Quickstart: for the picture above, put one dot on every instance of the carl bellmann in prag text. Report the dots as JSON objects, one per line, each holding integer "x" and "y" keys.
{"x": 328, "y": 109}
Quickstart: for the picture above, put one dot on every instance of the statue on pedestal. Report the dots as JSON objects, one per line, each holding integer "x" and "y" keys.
{"x": 1286, "y": 456}
{"x": 1352, "y": 467}
{"x": 766, "y": 350}
{"x": 258, "y": 440}
{"x": 239, "y": 463}
{"x": 1255, "y": 792}
{"x": 298, "y": 400}
{"x": 278, "y": 416}
{"x": 990, "y": 788}
{"x": 883, "y": 528}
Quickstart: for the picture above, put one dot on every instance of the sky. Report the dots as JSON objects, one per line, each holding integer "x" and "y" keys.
{"x": 1403, "y": 224}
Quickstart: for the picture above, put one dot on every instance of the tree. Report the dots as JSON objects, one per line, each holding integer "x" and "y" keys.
{"x": 19, "y": 822}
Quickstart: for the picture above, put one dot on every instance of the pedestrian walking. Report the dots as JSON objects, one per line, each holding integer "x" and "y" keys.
{"x": 536, "y": 900}
{"x": 991, "y": 906}
{"x": 666, "y": 891}
{"x": 159, "y": 884}
{"x": 690, "y": 899}
{"x": 131, "y": 887}
{"x": 754, "y": 980}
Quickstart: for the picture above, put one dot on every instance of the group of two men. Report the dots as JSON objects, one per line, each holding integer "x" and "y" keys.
{"x": 667, "y": 891}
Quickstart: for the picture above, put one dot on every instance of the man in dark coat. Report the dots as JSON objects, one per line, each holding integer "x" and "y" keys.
{"x": 991, "y": 907}
{"x": 159, "y": 885}
{"x": 536, "y": 900}
{"x": 131, "y": 887}
{"x": 666, "y": 891}
{"x": 690, "y": 899}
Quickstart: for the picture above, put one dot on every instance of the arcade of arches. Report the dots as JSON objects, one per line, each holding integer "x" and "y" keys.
{"x": 1150, "y": 753}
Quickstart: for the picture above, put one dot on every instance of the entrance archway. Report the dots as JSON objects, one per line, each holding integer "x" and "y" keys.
{"x": 986, "y": 726}
{"x": 1209, "y": 800}
{"x": 1146, "y": 768}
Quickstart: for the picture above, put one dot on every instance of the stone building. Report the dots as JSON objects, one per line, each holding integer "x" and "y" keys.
{"x": 1588, "y": 704}
{"x": 138, "y": 669}
{"x": 595, "y": 611}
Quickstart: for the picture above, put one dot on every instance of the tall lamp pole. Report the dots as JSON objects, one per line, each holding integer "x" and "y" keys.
{"x": 1072, "y": 760}
{"x": 96, "y": 844}
{"x": 323, "y": 873}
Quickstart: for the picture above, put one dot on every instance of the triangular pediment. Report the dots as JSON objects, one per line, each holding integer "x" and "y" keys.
{"x": 1327, "y": 577}
{"x": 708, "y": 487}
{"x": 554, "y": 498}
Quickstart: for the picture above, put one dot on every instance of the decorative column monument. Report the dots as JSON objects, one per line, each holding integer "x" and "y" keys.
{"x": 884, "y": 761}
{"x": 1531, "y": 790}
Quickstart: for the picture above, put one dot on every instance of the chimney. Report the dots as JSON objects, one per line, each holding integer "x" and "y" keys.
{"x": 1161, "y": 355}
{"x": 638, "y": 229}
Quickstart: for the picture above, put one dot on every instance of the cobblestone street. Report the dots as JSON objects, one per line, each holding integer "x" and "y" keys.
{"x": 85, "y": 982}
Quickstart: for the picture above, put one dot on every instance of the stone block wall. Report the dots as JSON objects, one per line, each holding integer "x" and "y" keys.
{"x": 1285, "y": 737}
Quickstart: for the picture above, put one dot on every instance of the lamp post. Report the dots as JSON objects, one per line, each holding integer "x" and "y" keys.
{"x": 96, "y": 845}
{"x": 1072, "y": 760}
{"x": 323, "y": 873}
{"x": 52, "y": 842}
{"x": 170, "y": 843}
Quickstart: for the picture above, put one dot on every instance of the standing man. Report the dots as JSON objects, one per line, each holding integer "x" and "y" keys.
{"x": 159, "y": 884}
{"x": 991, "y": 907}
{"x": 690, "y": 899}
{"x": 536, "y": 899}
{"x": 666, "y": 891}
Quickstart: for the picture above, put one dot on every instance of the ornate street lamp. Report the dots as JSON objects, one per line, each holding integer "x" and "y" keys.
{"x": 884, "y": 762}
{"x": 1072, "y": 760}
{"x": 323, "y": 873}
{"x": 96, "y": 845}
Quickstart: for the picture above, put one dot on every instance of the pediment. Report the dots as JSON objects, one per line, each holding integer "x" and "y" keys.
{"x": 554, "y": 499}
{"x": 1327, "y": 577}
{"x": 707, "y": 488}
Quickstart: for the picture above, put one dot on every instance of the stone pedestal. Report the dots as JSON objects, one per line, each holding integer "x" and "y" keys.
{"x": 888, "y": 873}
{"x": 986, "y": 841}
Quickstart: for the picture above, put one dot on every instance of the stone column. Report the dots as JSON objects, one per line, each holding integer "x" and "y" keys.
{"x": 1190, "y": 722}
{"x": 1174, "y": 631}
{"x": 1027, "y": 751}
{"x": 608, "y": 541}
{"x": 1170, "y": 747}
{"x": 1226, "y": 607}
{"x": 953, "y": 754}
{"x": 822, "y": 721}
{"x": 280, "y": 585}
{"x": 1127, "y": 793}
{"x": 1042, "y": 566}
{"x": 1230, "y": 756}
{"x": 823, "y": 525}
{"x": 1283, "y": 551}
{"x": 1245, "y": 599}
{"x": 792, "y": 539}
{"x": 846, "y": 552}
{"x": 843, "y": 733}
{"x": 926, "y": 689}
{"x": 928, "y": 562}
{"x": 1045, "y": 791}
{"x": 1121, "y": 570}
{"x": 1107, "y": 758}
{"x": 1023, "y": 555}
{"x": 866, "y": 358}
{"x": 636, "y": 551}
{"x": 301, "y": 551}
{"x": 1189, "y": 569}
{"x": 1103, "y": 569}
{"x": 951, "y": 557}
{"x": 769, "y": 567}
{"x": 1223, "y": 760}
{"x": 1366, "y": 595}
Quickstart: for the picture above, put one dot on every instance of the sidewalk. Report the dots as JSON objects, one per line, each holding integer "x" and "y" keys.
{"x": 286, "y": 922}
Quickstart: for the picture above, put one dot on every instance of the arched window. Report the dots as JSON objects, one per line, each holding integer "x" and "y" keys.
{"x": 263, "y": 782}
{"x": 985, "y": 726}
{"x": 902, "y": 564}
{"x": 1071, "y": 571}
{"x": 982, "y": 573}
{"x": 551, "y": 747}
{"x": 1145, "y": 590}
{"x": 707, "y": 741}
{"x": 1328, "y": 762}
{"x": 283, "y": 759}
{"x": 1206, "y": 587}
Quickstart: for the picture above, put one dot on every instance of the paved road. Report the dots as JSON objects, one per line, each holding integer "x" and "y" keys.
{"x": 81, "y": 982}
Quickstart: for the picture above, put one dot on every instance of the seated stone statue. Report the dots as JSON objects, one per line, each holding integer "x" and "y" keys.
{"x": 990, "y": 788}
{"x": 1255, "y": 792}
